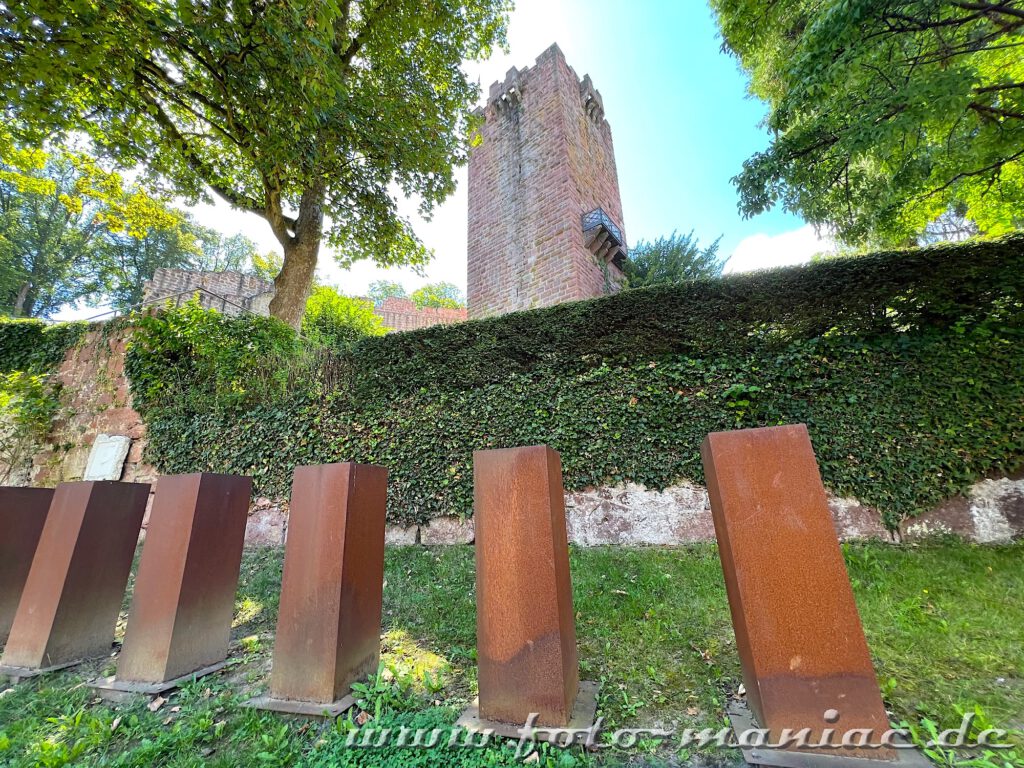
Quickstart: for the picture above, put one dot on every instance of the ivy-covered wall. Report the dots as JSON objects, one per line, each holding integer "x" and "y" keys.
{"x": 30, "y": 351}
{"x": 66, "y": 382}
{"x": 907, "y": 367}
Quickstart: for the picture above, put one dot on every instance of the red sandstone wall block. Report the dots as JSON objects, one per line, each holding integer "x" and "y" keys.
{"x": 546, "y": 158}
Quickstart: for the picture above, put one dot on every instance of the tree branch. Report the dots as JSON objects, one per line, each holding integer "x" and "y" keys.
{"x": 1003, "y": 8}
{"x": 192, "y": 158}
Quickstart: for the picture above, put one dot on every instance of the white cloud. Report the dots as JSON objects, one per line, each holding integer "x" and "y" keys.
{"x": 763, "y": 251}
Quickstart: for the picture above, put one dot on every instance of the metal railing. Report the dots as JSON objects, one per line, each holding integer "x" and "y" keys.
{"x": 598, "y": 218}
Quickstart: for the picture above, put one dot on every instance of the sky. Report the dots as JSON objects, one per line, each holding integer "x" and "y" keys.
{"x": 681, "y": 120}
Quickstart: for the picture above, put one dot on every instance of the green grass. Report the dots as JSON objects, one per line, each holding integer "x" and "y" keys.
{"x": 945, "y": 622}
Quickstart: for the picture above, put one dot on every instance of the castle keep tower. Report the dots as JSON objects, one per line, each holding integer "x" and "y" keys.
{"x": 545, "y": 218}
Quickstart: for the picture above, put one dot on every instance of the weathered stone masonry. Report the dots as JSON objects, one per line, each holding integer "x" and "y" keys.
{"x": 228, "y": 292}
{"x": 544, "y": 161}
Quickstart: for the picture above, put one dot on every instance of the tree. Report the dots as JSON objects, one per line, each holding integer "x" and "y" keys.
{"x": 884, "y": 114}
{"x": 443, "y": 295}
{"x": 671, "y": 259}
{"x": 287, "y": 110}
{"x": 380, "y": 290}
{"x": 223, "y": 253}
{"x": 58, "y": 214}
{"x": 337, "y": 321}
{"x": 123, "y": 263}
{"x": 267, "y": 265}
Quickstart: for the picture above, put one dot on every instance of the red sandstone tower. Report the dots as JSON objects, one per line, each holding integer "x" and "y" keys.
{"x": 545, "y": 218}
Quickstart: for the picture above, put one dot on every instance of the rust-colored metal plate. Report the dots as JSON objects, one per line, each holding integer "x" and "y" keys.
{"x": 526, "y": 635}
{"x": 184, "y": 599}
{"x": 328, "y": 626}
{"x": 22, "y": 515}
{"x": 74, "y": 589}
{"x": 799, "y": 636}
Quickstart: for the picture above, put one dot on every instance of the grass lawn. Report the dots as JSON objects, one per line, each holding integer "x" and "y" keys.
{"x": 945, "y": 622}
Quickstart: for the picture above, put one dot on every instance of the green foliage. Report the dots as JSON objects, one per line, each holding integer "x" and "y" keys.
{"x": 288, "y": 111}
{"x": 671, "y": 260}
{"x": 907, "y": 368}
{"x": 123, "y": 263}
{"x": 33, "y": 346}
{"x": 267, "y": 265}
{"x": 442, "y": 295}
{"x": 29, "y": 351}
{"x": 208, "y": 360}
{"x": 942, "y": 620}
{"x": 27, "y": 408}
{"x": 336, "y": 321}
{"x": 380, "y": 290}
{"x": 224, "y": 253}
{"x": 71, "y": 229}
{"x": 884, "y": 115}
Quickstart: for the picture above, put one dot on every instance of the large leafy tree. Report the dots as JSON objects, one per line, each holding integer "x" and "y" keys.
{"x": 59, "y": 215}
{"x": 308, "y": 113}
{"x": 442, "y": 295}
{"x": 671, "y": 259}
{"x": 380, "y": 290}
{"x": 885, "y": 114}
{"x": 224, "y": 253}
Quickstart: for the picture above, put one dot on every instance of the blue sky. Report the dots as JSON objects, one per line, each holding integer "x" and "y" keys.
{"x": 681, "y": 121}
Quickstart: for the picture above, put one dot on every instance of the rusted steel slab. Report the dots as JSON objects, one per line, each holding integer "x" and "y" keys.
{"x": 74, "y": 590}
{"x": 22, "y": 516}
{"x": 184, "y": 598}
{"x": 328, "y": 627}
{"x": 799, "y": 636}
{"x": 526, "y": 634}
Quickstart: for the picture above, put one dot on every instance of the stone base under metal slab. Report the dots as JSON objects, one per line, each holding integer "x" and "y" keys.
{"x": 112, "y": 689}
{"x": 16, "y": 674}
{"x": 742, "y": 720}
{"x": 303, "y": 708}
{"x": 583, "y": 713}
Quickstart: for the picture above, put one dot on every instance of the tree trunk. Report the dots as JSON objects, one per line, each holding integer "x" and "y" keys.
{"x": 294, "y": 282}
{"x": 19, "y": 303}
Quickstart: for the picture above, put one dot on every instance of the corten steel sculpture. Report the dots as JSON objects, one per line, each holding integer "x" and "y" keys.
{"x": 22, "y": 515}
{"x": 800, "y": 641}
{"x": 526, "y": 634}
{"x": 179, "y": 623}
{"x": 74, "y": 589}
{"x": 328, "y": 626}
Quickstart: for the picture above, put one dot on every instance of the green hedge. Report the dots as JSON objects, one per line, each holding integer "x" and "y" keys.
{"x": 33, "y": 346}
{"x": 907, "y": 367}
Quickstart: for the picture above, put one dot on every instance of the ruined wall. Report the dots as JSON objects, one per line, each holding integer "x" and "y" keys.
{"x": 94, "y": 400}
{"x": 402, "y": 315}
{"x": 228, "y": 292}
{"x": 545, "y": 158}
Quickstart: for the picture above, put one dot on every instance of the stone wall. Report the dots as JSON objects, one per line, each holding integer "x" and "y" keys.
{"x": 545, "y": 158}
{"x": 631, "y": 515}
{"x": 228, "y": 292}
{"x": 402, "y": 315}
{"x": 96, "y": 400}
